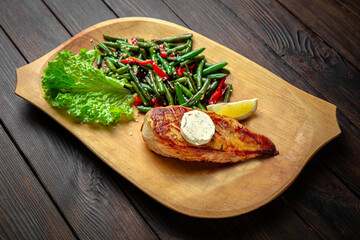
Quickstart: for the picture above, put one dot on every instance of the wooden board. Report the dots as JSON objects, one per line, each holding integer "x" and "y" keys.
{"x": 299, "y": 124}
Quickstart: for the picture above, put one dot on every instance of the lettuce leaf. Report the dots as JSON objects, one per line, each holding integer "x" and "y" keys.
{"x": 72, "y": 82}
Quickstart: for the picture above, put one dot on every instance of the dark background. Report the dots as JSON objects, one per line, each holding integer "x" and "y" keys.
{"x": 53, "y": 187}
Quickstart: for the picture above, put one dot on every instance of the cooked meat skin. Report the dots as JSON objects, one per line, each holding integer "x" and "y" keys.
{"x": 232, "y": 142}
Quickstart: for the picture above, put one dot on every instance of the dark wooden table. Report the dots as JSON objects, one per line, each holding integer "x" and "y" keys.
{"x": 53, "y": 187}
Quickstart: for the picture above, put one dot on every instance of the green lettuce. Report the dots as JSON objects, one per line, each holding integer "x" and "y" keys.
{"x": 72, "y": 82}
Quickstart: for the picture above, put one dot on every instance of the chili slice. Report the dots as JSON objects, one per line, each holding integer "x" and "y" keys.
{"x": 134, "y": 41}
{"x": 215, "y": 97}
{"x": 138, "y": 101}
{"x": 162, "y": 51}
{"x": 156, "y": 68}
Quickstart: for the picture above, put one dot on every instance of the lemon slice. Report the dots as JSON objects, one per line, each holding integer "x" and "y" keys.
{"x": 238, "y": 110}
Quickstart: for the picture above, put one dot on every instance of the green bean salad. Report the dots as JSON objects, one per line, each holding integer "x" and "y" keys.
{"x": 165, "y": 71}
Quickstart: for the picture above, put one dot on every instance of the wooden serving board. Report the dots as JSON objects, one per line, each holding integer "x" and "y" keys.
{"x": 299, "y": 124}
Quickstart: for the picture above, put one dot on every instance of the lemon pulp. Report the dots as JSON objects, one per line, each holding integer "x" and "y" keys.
{"x": 238, "y": 110}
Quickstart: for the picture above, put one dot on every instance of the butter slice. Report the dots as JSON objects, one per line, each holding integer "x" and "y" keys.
{"x": 197, "y": 127}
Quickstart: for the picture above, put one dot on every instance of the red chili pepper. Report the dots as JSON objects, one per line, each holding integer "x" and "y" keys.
{"x": 179, "y": 71}
{"x": 215, "y": 97}
{"x": 138, "y": 101}
{"x": 155, "y": 102}
{"x": 156, "y": 68}
{"x": 162, "y": 51}
{"x": 134, "y": 41}
{"x": 192, "y": 66}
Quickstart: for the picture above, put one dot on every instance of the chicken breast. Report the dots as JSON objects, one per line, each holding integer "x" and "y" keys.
{"x": 232, "y": 142}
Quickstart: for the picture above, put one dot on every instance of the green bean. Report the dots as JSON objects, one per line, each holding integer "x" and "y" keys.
{"x": 143, "y": 52}
{"x": 159, "y": 81}
{"x": 140, "y": 56}
{"x": 155, "y": 46}
{"x": 206, "y": 65}
{"x": 199, "y": 74}
{"x": 123, "y": 70}
{"x": 178, "y": 48}
{"x": 147, "y": 87}
{"x": 98, "y": 60}
{"x": 137, "y": 82}
{"x": 145, "y": 45}
{"x": 127, "y": 46}
{"x": 216, "y": 75}
{"x": 199, "y": 95}
{"x": 221, "y": 70}
{"x": 190, "y": 82}
{"x": 212, "y": 88}
{"x": 168, "y": 95}
{"x": 187, "y": 49}
{"x": 189, "y": 94}
{"x": 192, "y": 60}
{"x": 170, "y": 58}
{"x": 139, "y": 93}
{"x": 110, "y": 64}
{"x": 107, "y": 71}
{"x": 187, "y": 56}
{"x": 139, "y": 39}
{"x": 125, "y": 53}
{"x": 153, "y": 86}
{"x": 111, "y": 44}
{"x": 152, "y": 54}
{"x": 114, "y": 39}
{"x": 179, "y": 80}
{"x": 126, "y": 76}
{"x": 180, "y": 38}
{"x": 114, "y": 61}
{"x": 106, "y": 49}
{"x": 228, "y": 92}
{"x": 144, "y": 109}
{"x": 170, "y": 45}
{"x": 179, "y": 94}
{"x": 165, "y": 64}
{"x": 214, "y": 67}
{"x": 135, "y": 68}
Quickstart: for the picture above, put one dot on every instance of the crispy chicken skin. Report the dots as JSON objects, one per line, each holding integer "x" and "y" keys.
{"x": 232, "y": 142}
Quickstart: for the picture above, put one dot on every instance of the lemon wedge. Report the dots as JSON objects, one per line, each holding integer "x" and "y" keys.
{"x": 238, "y": 110}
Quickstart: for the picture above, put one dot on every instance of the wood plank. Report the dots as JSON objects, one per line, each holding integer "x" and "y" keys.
{"x": 338, "y": 26}
{"x": 264, "y": 223}
{"x": 304, "y": 51}
{"x": 153, "y": 9}
{"x": 326, "y": 204}
{"x": 77, "y": 180}
{"x": 16, "y": 19}
{"x": 78, "y": 15}
{"x": 26, "y": 212}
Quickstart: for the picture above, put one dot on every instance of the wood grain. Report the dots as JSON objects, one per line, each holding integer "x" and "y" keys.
{"x": 79, "y": 183}
{"x": 263, "y": 223}
{"x": 329, "y": 197}
{"x": 26, "y": 212}
{"x": 75, "y": 16}
{"x": 311, "y": 116}
{"x": 142, "y": 8}
{"x": 21, "y": 19}
{"x": 330, "y": 21}
{"x": 304, "y": 51}
{"x": 331, "y": 217}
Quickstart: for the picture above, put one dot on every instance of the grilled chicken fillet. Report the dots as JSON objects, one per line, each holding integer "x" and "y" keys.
{"x": 232, "y": 142}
